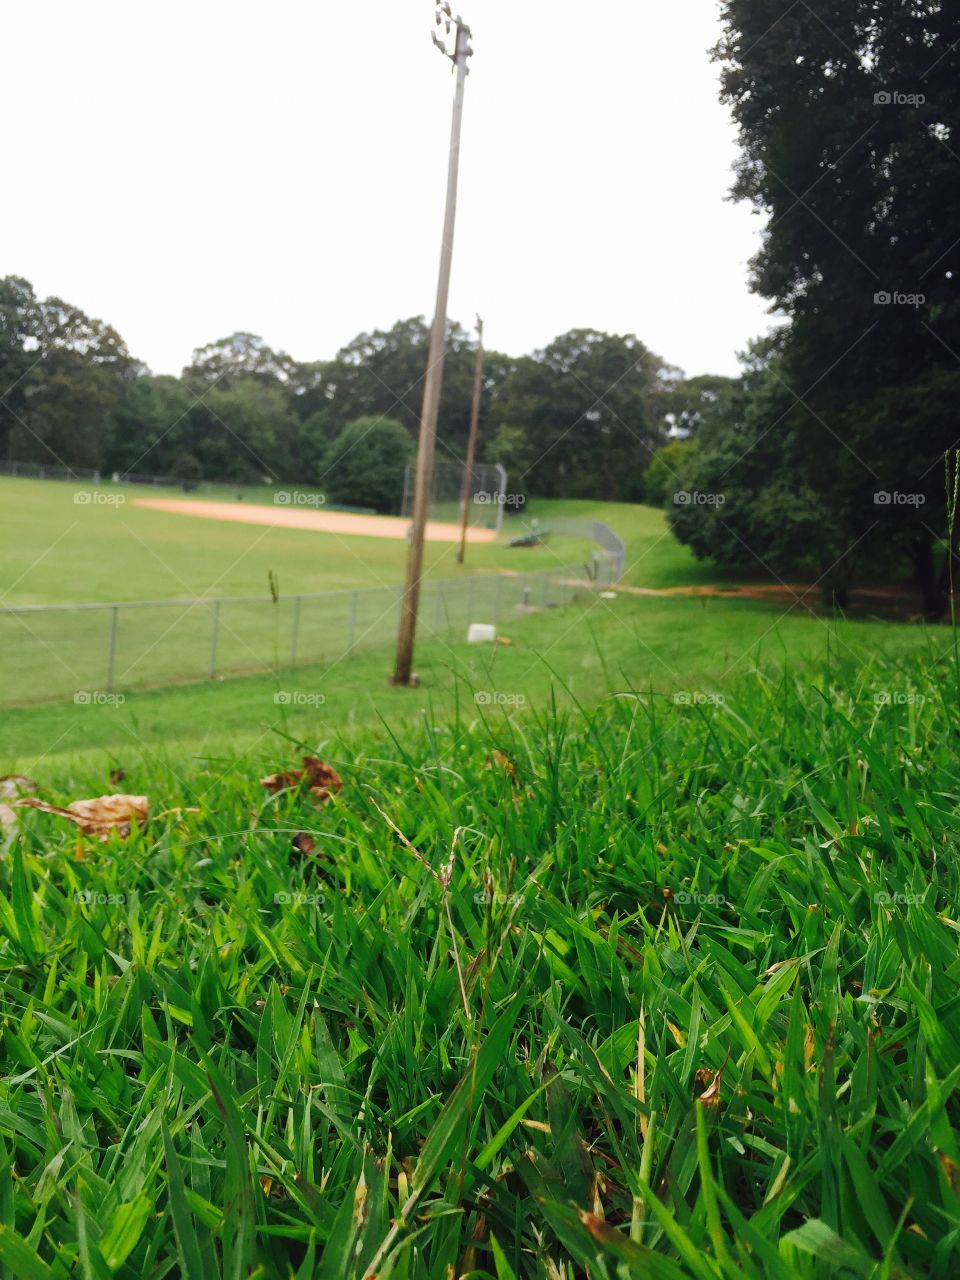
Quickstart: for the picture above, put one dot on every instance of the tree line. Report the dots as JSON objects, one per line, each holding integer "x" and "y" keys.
{"x": 581, "y": 418}
{"x": 835, "y": 452}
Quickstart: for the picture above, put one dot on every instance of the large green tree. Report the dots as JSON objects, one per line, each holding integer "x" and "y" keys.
{"x": 365, "y": 465}
{"x": 18, "y": 306}
{"x": 76, "y": 370}
{"x": 587, "y": 405}
{"x": 237, "y": 358}
{"x": 849, "y": 121}
{"x": 381, "y": 373}
{"x": 152, "y": 427}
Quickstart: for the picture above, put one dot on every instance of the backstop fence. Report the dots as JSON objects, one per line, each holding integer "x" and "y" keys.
{"x": 486, "y": 493}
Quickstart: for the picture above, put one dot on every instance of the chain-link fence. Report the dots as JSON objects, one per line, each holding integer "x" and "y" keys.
{"x": 486, "y": 496}
{"x": 92, "y": 651}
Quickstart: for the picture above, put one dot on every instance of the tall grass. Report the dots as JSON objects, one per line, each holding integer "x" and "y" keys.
{"x": 656, "y": 990}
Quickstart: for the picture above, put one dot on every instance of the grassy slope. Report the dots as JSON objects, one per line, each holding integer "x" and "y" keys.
{"x": 590, "y": 649}
{"x": 221, "y": 1054}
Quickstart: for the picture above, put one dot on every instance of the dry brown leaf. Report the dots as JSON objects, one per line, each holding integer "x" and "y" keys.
{"x": 117, "y": 775}
{"x": 304, "y": 842}
{"x": 14, "y": 785}
{"x": 321, "y": 779}
{"x": 505, "y": 640}
{"x": 711, "y": 1095}
{"x": 99, "y": 816}
{"x": 499, "y": 760}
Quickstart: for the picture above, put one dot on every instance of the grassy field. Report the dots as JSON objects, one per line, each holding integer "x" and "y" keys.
{"x": 626, "y": 949}
{"x": 89, "y": 553}
{"x": 664, "y": 644}
{"x": 583, "y": 652}
{"x": 661, "y": 989}
{"x": 62, "y": 552}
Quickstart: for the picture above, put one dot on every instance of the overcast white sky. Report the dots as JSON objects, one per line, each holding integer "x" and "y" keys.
{"x": 184, "y": 170}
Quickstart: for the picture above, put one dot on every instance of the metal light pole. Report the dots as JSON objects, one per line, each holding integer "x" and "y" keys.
{"x": 471, "y": 444}
{"x": 434, "y": 377}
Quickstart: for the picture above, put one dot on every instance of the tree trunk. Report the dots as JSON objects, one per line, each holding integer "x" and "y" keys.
{"x": 836, "y": 582}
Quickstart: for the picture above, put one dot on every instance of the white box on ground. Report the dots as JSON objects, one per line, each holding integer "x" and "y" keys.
{"x": 481, "y": 633}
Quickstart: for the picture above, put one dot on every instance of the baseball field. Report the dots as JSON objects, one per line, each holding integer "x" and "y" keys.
{"x": 188, "y": 674}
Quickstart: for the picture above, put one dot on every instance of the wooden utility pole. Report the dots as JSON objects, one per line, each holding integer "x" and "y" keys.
{"x": 471, "y": 444}
{"x": 434, "y": 377}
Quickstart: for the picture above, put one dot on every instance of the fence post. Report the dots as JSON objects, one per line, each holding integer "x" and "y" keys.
{"x": 294, "y": 629}
{"x": 214, "y": 632}
{"x": 352, "y": 624}
{"x": 112, "y": 647}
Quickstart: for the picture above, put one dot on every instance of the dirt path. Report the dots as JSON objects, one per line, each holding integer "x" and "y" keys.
{"x": 312, "y": 518}
{"x": 897, "y": 601}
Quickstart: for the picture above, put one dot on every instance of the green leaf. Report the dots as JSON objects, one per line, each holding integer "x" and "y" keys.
{"x": 125, "y": 1229}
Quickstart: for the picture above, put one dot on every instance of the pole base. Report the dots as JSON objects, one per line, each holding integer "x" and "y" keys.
{"x": 412, "y": 683}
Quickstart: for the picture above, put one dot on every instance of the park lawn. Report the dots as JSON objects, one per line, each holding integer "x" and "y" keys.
{"x": 654, "y": 557}
{"x": 584, "y": 651}
{"x": 650, "y": 989}
{"x": 57, "y": 551}
{"x": 627, "y": 948}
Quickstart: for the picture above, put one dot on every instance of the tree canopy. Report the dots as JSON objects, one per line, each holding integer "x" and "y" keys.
{"x": 849, "y": 121}
{"x": 581, "y": 418}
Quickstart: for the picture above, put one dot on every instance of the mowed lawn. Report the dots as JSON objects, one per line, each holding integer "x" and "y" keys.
{"x": 583, "y": 651}
{"x": 60, "y": 551}
{"x": 628, "y": 946}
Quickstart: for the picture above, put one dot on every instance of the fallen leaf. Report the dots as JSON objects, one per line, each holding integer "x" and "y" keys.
{"x": 501, "y": 761}
{"x": 14, "y": 785}
{"x": 100, "y": 816}
{"x": 117, "y": 775}
{"x": 304, "y": 843}
{"x": 321, "y": 779}
{"x": 711, "y": 1095}
{"x": 504, "y": 640}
